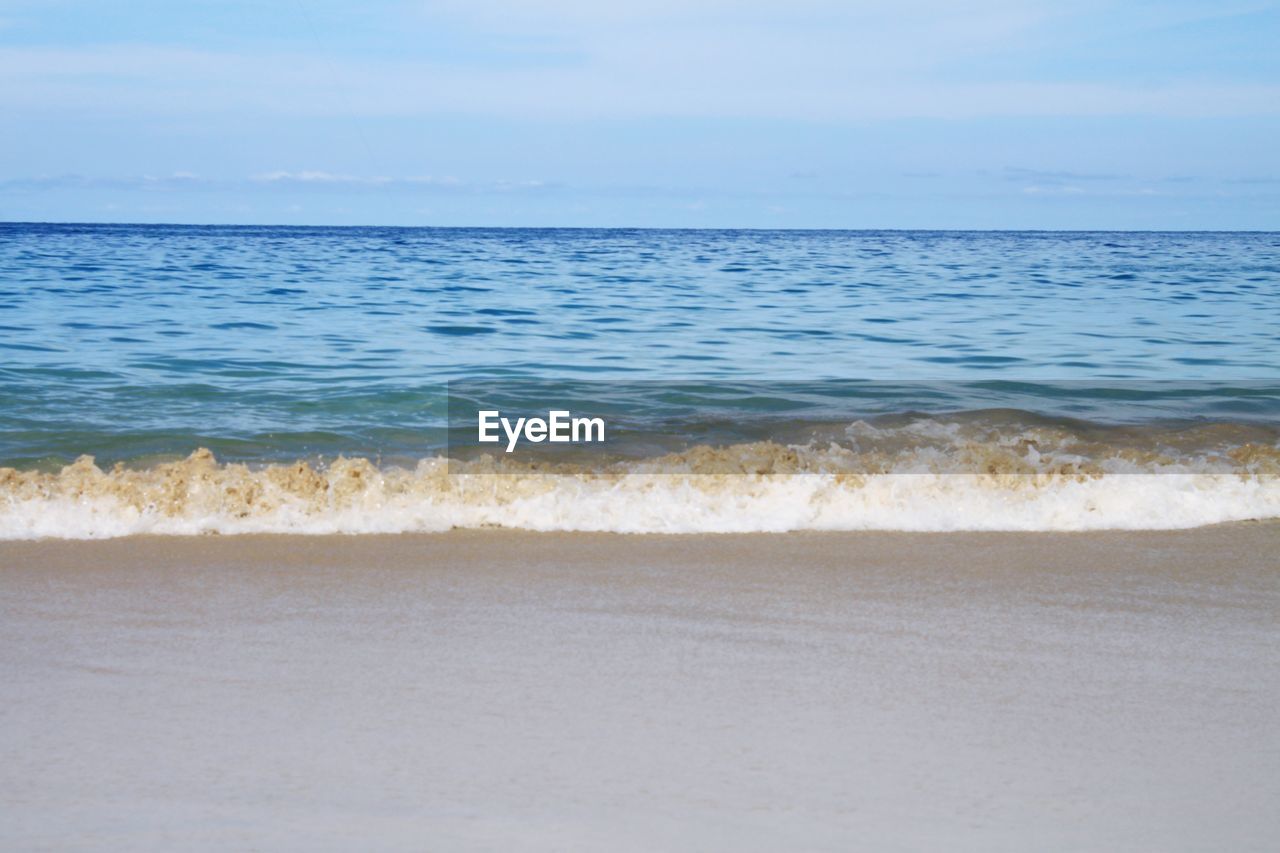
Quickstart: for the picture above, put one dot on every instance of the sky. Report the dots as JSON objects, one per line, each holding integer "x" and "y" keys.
{"x": 1091, "y": 114}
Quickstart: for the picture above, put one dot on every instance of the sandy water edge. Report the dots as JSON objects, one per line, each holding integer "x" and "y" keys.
{"x": 1254, "y": 542}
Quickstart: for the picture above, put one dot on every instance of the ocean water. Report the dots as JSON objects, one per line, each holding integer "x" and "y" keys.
{"x": 756, "y": 380}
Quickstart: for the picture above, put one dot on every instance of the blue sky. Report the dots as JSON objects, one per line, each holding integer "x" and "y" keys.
{"x": 805, "y": 113}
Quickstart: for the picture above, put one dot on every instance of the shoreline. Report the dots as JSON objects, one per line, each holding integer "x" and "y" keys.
{"x": 514, "y": 690}
{"x": 1249, "y": 528}
{"x": 1253, "y": 535}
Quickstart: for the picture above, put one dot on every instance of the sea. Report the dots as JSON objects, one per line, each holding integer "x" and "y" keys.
{"x": 188, "y": 379}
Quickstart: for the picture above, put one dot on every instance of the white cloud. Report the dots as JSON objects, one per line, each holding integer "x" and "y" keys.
{"x": 724, "y": 83}
{"x": 808, "y": 59}
{"x": 277, "y": 179}
{"x": 312, "y": 177}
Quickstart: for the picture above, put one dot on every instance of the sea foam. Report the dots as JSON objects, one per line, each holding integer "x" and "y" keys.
{"x": 758, "y": 487}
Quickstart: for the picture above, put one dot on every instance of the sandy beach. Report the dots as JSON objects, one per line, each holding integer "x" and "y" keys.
{"x": 501, "y": 690}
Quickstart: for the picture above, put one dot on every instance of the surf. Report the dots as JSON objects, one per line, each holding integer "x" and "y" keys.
{"x": 757, "y": 487}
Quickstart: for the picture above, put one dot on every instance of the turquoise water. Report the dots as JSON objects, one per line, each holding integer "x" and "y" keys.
{"x": 130, "y": 342}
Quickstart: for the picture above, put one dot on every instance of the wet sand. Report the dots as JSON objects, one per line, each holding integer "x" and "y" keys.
{"x": 512, "y": 691}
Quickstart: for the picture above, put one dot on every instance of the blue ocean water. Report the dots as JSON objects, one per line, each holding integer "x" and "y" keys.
{"x": 131, "y": 342}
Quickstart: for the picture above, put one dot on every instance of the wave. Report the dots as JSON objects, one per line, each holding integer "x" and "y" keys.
{"x": 936, "y": 477}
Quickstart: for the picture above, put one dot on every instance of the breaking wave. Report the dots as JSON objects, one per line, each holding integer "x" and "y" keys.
{"x": 929, "y": 477}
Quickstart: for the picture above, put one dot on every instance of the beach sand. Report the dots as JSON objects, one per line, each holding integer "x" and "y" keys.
{"x": 507, "y": 691}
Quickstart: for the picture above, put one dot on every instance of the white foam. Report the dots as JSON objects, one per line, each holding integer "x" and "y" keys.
{"x": 360, "y": 499}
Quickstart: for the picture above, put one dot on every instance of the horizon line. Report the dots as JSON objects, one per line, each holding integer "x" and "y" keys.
{"x": 756, "y": 228}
